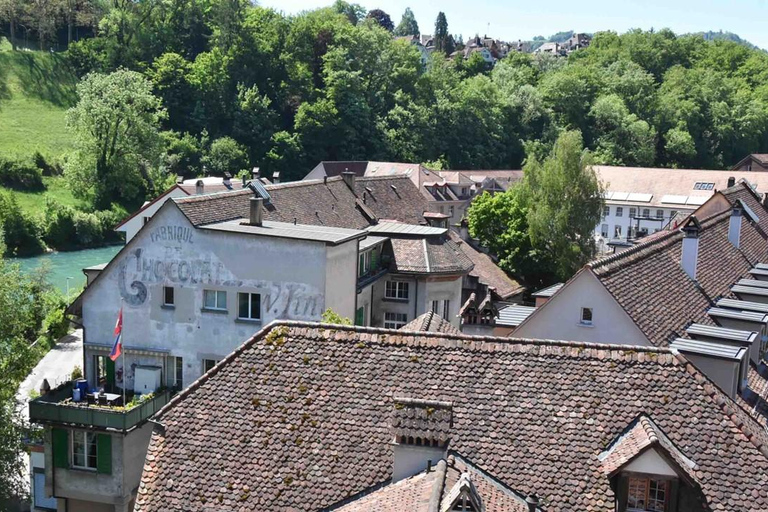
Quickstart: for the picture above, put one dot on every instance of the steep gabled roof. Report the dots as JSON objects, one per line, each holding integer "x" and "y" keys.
{"x": 297, "y": 417}
{"x": 392, "y": 198}
{"x": 488, "y": 272}
{"x": 432, "y": 255}
{"x": 641, "y": 435}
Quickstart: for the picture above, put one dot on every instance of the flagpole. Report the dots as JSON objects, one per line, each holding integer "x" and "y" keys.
{"x": 125, "y": 373}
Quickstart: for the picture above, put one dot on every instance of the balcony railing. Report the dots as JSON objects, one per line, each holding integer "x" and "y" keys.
{"x": 57, "y": 407}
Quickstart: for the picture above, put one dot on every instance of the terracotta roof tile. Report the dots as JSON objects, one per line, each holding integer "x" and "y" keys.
{"x": 488, "y": 272}
{"x": 430, "y": 322}
{"x": 297, "y": 418}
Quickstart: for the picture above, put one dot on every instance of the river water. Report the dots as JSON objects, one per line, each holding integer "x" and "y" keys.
{"x": 69, "y": 264}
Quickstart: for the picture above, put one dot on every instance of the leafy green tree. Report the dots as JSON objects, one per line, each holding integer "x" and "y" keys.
{"x": 353, "y": 12}
{"x": 169, "y": 76}
{"x": 621, "y": 138}
{"x": 117, "y": 140}
{"x": 566, "y": 204}
{"x": 408, "y": 25}
{"x": 332, "y": 317}
{"x": 382, "y": 18}
{"x": 255, "y": 122}
{"x": 225, "y": 155}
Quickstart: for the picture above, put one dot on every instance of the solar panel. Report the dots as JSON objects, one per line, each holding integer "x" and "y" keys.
{"x": 620, "y": 196}
{"x": 259, "y": 189}
{"x": 640, "y": 197}
{"x": 672, "y": 199}
{"x": 696, "y": 200}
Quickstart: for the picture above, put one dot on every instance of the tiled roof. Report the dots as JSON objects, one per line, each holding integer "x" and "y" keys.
{"x": 431, "y": 255}
{"x": 649, "y": 283}
{"x": 433, "y": 490}
{"x": 644, "y": 434}
{"x": 297, "y": 418}
{"x": 430, "y": 322}
{"x": 427, "y": 420}
{"x": 392, "y": 198}
{"x": 488, "y": 272}
{"x": 313, "y": 202}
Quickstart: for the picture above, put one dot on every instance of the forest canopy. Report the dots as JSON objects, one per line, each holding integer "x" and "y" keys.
{"x": 335, "y": 84}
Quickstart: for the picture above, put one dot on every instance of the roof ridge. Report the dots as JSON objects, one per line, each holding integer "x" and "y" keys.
{"x": 208, "y": 197}
{"x": 302, "y": 183}
{"x": 382, "y": 178}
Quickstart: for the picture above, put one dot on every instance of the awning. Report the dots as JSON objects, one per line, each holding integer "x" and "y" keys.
{"x": 142, "y": 351}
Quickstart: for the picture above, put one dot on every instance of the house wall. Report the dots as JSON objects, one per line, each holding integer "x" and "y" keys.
{"x": 442, "y": 288}
{"x": 559, "y": 318}
{"x": 341, "y": 278}
{"x": 650, "y": 463}
{"x": 365, "y": 300}
{"x": 289, "y": 274}
{"x": 722, "y": 372}
{"x": 91, "y": 491}
{"x": 316, "y": 173}
{"x": 133, "y": 226}
{"x": 612, "y": 220}
{"x": 422, "y": 291}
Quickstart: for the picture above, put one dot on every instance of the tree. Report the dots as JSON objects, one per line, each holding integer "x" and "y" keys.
{"x": 566, "y": 204}
{"x": 382, "y": 19}
{"x": 332, "y": 317}
{"x": 117, "y": 142}
{"x": 440, "y": 38}
{"x": 11, "y": 11}
{"x": 225, "y": 155}
{"x": 353, "y": 12}
{"x": 408, "y": 25}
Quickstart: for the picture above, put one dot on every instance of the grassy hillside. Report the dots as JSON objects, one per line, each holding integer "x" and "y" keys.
{"x": 36, "y": 89}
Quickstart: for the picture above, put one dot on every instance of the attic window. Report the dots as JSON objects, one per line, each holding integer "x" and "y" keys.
{"x": 703, "y": 185}
{"x": 586, "y": 316}
{"x": 647, "y": 494}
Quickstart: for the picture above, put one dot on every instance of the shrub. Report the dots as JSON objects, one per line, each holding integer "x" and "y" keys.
{"x": 55, "y": 324}
{"x": 46, "y": 167}
{"x": 21, "y": 232}
{"x": 88, "y": 229}
{"x": 59, "y": 221}
{"x": 21, "y": 175}
{"x": 225, "y": 155}
{"x": 77, "y": 373}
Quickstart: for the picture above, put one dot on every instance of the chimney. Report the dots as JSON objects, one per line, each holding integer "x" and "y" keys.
{"x": 245, "y": 181}
{"x": 734, "y": 226}
{"x": 179, "y": 179}
{"x": 276, "y": 177}
{"x": 199, "y": 187}
{"x": 690, "y": 254}
{"x": 255, "y": 173}
{"x": 227, "y": 180}
{"x": 731, "y": 181}
{"x": 420, "y": 430}
{"x": 256, "y": 211}
{"x": 532, "y": 501}
{"x": 349, "y": 179}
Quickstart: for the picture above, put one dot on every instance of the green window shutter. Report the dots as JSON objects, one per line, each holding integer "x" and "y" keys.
{"x": 360, "y": 316}
{"x": 60, "y": 438}
{"x": 374, "y": 260}
{"x": 104, "y": 454}
{"x": 110, "y": 374}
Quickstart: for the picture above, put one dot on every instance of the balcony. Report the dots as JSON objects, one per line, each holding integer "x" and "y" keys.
{"x": 58, "y": 407}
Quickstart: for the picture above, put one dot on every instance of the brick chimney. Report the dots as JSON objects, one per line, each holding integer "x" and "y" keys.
{"x": 256, "y": 211}
{"x": 690, "y": 253}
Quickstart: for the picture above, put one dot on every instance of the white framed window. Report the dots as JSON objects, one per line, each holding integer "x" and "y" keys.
{"x": 633, "y": 213}
{"x": 659, "y": 214}
{"x": 619, "y": 211}
{"x": 604, "y": 230}
{"x": 248, "y": 306}
{"x": 646, "y": 212}
{"x": 586, "y": 316}
{"x": 395, "y": 320}
{"x": 673, "y": 214}
{"x": 177, "y": 377}
{"x": 168, "y": 296}
{"x": 396, "y": 290}
{"x": 647, "y": 494}
{"x": 84, "y": 451}
{"x": 209, "y": 363}
{"x": 606, "y": 211}
{"x": 215, "y": 300}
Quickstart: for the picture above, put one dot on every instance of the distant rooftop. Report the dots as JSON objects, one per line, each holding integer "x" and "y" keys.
{"x": 514, "y": 315}
{"x": 397, "y": 228}
{"x": 548, "y": 291}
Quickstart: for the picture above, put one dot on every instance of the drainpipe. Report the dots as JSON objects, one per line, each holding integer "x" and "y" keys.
{"x": 416, "y": 298}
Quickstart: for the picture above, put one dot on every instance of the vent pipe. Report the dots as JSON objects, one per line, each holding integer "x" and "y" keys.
{"x": 227, "y": 181}
{"x": 256, "y": 211}
{"x": 690, "y": 255}
{"x": 199, "y": 187}
{"x": 349, "y": 179}
{"x": 532, "y": 501}
{"x": 734, "y": 226}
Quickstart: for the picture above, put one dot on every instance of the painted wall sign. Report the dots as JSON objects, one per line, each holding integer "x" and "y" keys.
{"x": 171, "y": 233}
{"x": 138, "y": 269}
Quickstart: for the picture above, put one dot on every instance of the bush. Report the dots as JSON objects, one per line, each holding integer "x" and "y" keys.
{"x": 21, "y": 175}
{"x": 21, "y": 232}
{"x": 46, "y": 167}
{"x": 225, "y": 155}
{"x": 88, "y": 229}
{"x": 60, "y": 230}
{"x": 55, "y": 324}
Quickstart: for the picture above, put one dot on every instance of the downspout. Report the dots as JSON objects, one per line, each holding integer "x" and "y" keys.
{"x": 357, "y": 266}
{"x": 416, "y": 298}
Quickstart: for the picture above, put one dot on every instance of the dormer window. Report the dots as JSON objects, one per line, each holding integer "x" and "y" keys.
{"x": 647, "y": 494}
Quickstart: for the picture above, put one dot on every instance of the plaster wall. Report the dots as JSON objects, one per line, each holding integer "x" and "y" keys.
{"x": 290, "y": 275}
{"x": 560, "y": 318}
{"x": 724, "y": 373}
{"x": 341, "y": 278}
{"x": 133, "y": 226}
{"x": 651, "y": 463}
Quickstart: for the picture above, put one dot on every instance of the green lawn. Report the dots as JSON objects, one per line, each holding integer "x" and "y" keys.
{"x": 33, "y": 202}
{"x": 36, "y": 89}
